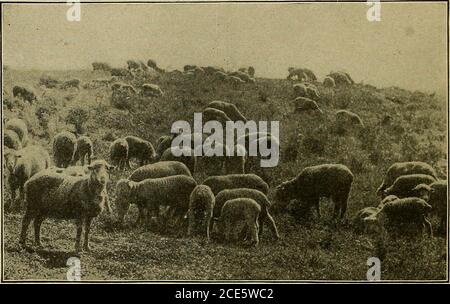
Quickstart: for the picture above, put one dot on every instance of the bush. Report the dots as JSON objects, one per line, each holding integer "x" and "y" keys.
{"x": 77, "y": 116}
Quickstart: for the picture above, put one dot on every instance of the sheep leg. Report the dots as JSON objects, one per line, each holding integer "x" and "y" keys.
{"x": 428, "y": 226}
{"x": 253, "y": 228}
{"x": 191, "y": 217}
{"x": 87, "y": 229}
{"x": 272, "y": 225}
{"x": 89, "y": 159}
{"x": 79, "y": 224}
{"x": 208, "y": 221}
{"x": 37, "y": 231}
{"x": 25, "y": 223}
{"x": 261, "y": 221}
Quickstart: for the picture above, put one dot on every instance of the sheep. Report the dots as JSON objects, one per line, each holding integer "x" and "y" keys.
{"x": 72, "y": 83}
{"x": 306, "y": 104}
{"x": 133, "y": 65}
{"x": 215, "y": 114}
{"x": 300, "y": 90}
{"x": 22, "y": 166}
{"x": 242, "y": 75}
{"x": 251, "y": 71}
{"x": 20, "y": 127}
{"x": 120, "y": 72}
{"x": 234, "y": 80}
{"x": 201, "y": 205}
{"x": 150, "y": 193}
{"x": 84, "y": 149}
{"x": 152, "y": 90}
{"x": 156, "y": 170}
{"x": 100, "y": 66}
{"x": 341, "y": 78}
{"x": 236, "y": 211}
{"x": 64, "y": 144}
{"x": 258, "y": 196}
{"x": 140, "y": 149}
{"x": 358, "y": 220}
{"x": 211, "y": 70}
{"x": 236, "y": 164}
{"x": 188, "y": 158}
{"x": 403, "y": 186}
{"x": 60, "y": 196}
{"x": 233, "y": 181}
{"x": 219, "y": 75}
{"x": 163, "y": 143}
{"x": 24, "y": 93}
{"x": 438, "y": 200}
{"x": 11, "y": 140}
{"x": 421, "y": 191}
{"x": 188, "y": 67}
{"x": 328, "y": 180}
{"x": 297, "y": 73}
{"x": 400, "y": 212}
{"x": 345, "y": 117}
{"x": 328, "y": 82}
{"x": 405, "y": 168}
{"x": 118, "y": 153}
{"x": 213, "y": 158}
{"x": 248, "y": 138}
{"x": 229, "y": 109}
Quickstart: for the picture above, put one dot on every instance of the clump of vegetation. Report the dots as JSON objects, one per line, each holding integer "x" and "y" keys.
{"x": 77, "y": 116}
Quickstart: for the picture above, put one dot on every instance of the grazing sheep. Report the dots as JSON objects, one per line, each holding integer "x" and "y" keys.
{"x": 345, "y": 117}
{"x": 421, "y": 191}
{"x": 236, "y": 164}
{"x": 238, "y": 211}
{"x": 11, "y": 140}
{"x": 328, "y": 180}
{"x": 188, "y": 158}
{"x": 214, "y": 114}
{"x": 219, "y": 75}
{"x": 151, "y": 90}
{"x": 100, "y": 66}
{"x": 149, "y": 194}
{"x": 398, "y": 213}
{"x": 201, "y": 205}
{"x": 60, "y": 196}
{"x": 84, "y": 150}
{"x": 404, "y": 185}
{"x": 235, "y": 80}
{"x": 213, "y": 158}
{"x": 133, "y": 65}
{"x": 188, "y": 67}
{"x": 120, "y": 72}
{"x": 251, "y": 71}
{"x": 306, "y": 104}
{"x": 404, "y": 168}
{"x": 242, "y": 75}
{"x": 233, "y": 181}
{"x": 72, "y": 83}
{"x": 24, "y": 93}
{"x": 140, "y": 149}
{"x": 258, "y": 196}
{"x": 64, "y": 144}
{"x": 163, "y": 143}
{"x": 387, "y": 199}
{"x": 328, "y": 82}
{"x": 358, "y": 220}
{"x": 118, "y": 153}
{"x": 438, "y": 200}
{"x": 22, "y": 165}
{"x": 248, "y": 138}
{"x": 341, "y": 78}
{"x": 229, "y": 109}
{"x": 300, "y": 90}
{"x": 20, "y": 127}
{"x": 295, "y": 73}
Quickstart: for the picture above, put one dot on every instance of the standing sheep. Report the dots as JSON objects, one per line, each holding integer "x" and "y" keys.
{"x": 214, "y": 114}
{"x": 233, "y": 181}
{"x": 258, "y": 196}
{"x": 345, "y": 117}
{"x": 64, "y": 144}
{"x": 118, "y": 153}
{"x": 201, "y": 205}
{"x": 404, "y": 168}
{"x": 72, "y": 83}
{"x": 140, "y": 149}
{"x": 66, "y": 197}
{"x": 328, "y": 180}
{"x": 229, "y": 109}
{"x": 438, "y": 200}
{"x": 24, "y": 93}
{"x": 84, "y": 150}
{"x": 12, "y": 140}
{"x": 238, "y": 211}
{"x": 188, "y": 158}
{"x": 151, "y": 90}
{"x": 20, "y": 127}
{"x": 404, "y": 185}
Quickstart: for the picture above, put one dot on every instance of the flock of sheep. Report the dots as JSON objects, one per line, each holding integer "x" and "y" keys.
{"x": 231, "y": 203}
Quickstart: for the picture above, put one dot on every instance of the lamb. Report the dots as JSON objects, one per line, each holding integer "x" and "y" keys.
{"x": 236, "y": 164}
{"x": 258, "y": 196}
{"x": 345, "y": 117}
{"x": 405, "y": 168}
{"x": 201, "y": 205}
{"x": 12, "y": 140}
{"x": 84, "y": 150}
{"x": 20, "y": 127}
{"x": 328, "y": 82}
{"x": 229, "y": 109}
{"x": 233, "y": 181}
{"x": 214, "y": 114}
{"x": 24, "y": 93}
{"x": 403, "y": 186}
{"x": 118, "y": 153}
{"x": 328, "y": 180}
{"x": 152, "y": 90}
{"x": 306, "y": 104}
{"x": 150, "y": 193}
{"x": 404, "y": 211}
{"x": 188, "y": 158}
{"x": 60, "y": 196}
{"x": 359, "y": 219}
{"x": 236, "y": 211}
{"x": 140, "y": 149}
{"x": 64, "y": 144}
{"x": 72, "y": 83}
{"x": 22, "y": 166}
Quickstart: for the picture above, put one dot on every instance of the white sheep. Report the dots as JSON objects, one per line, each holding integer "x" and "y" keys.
{"x": 201, "y": 205}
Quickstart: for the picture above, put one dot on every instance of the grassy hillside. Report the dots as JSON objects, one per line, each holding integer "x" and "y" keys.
{"x": 399, "y": 126}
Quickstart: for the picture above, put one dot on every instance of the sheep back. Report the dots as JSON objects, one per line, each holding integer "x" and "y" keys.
{"x": 232, "y": 181}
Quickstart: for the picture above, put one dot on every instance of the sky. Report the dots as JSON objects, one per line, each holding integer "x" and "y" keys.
{"x": 407, "y": 48}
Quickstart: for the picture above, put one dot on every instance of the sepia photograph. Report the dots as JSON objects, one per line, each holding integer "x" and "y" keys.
{"x": 281, "y": 142}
